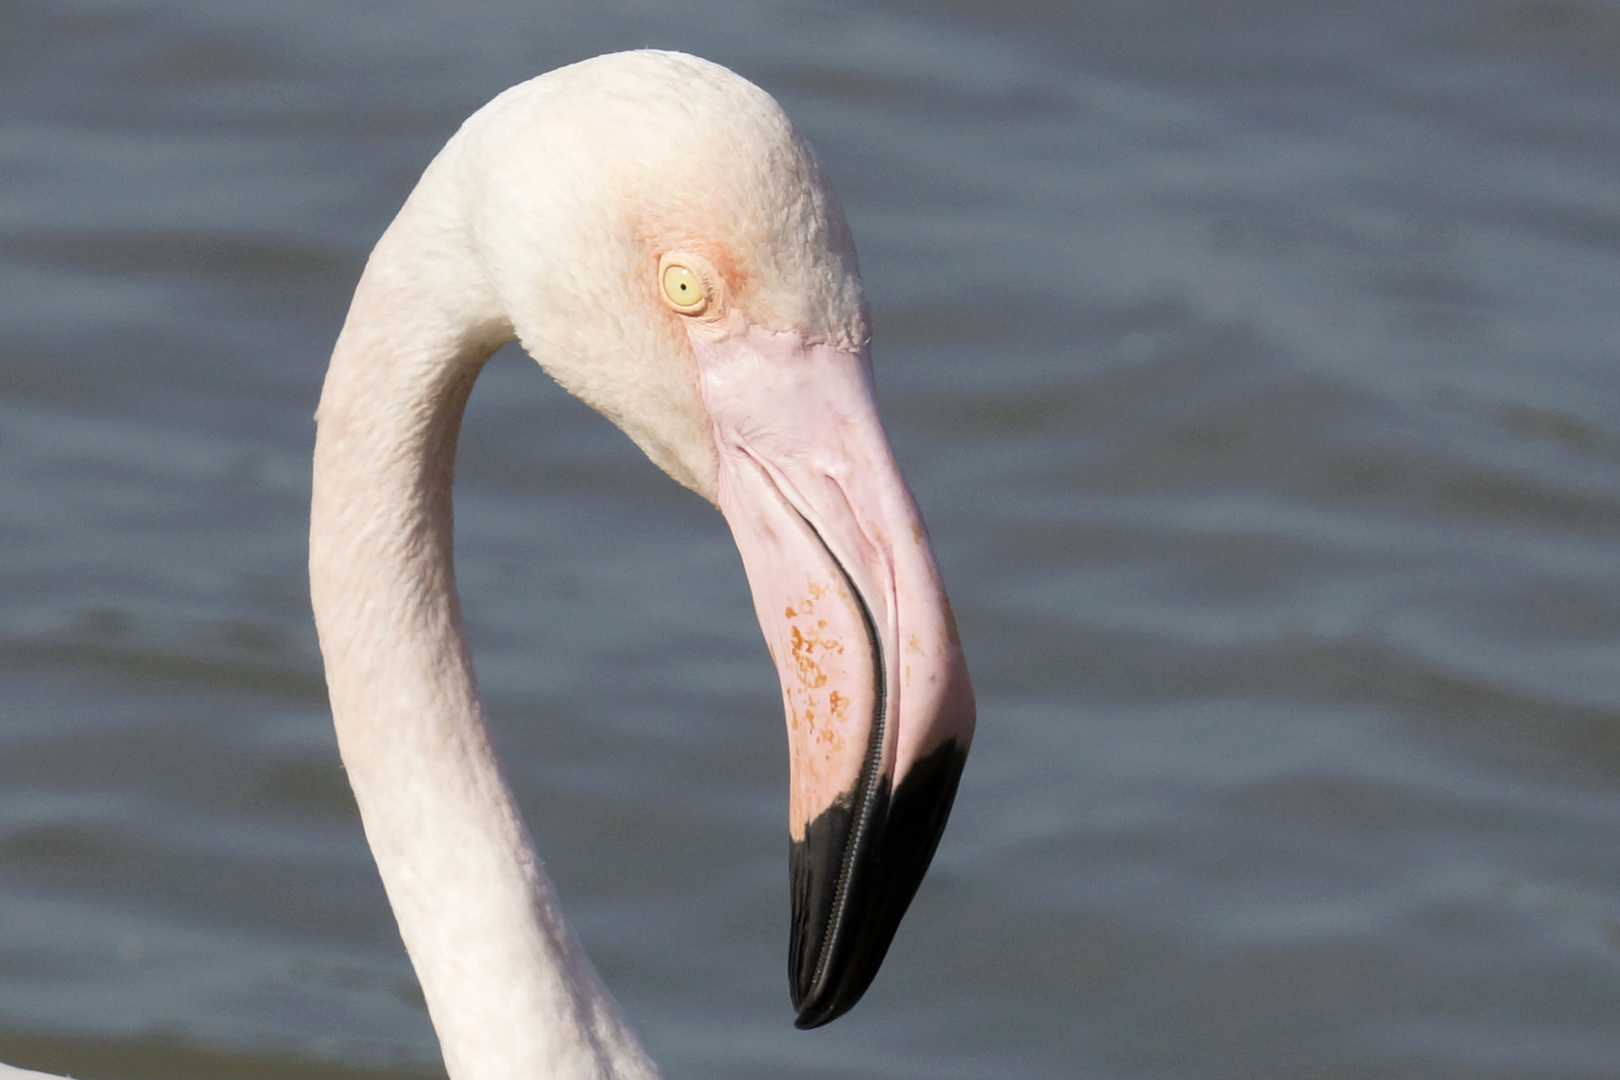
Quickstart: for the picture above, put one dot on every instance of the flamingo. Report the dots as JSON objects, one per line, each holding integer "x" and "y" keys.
{"x": 657, "y": 235}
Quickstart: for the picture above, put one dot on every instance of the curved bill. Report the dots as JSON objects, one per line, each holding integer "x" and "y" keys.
{"x": 879, "y": 707}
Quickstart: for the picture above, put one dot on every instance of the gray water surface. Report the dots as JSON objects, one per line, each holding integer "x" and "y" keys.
{"x": 1256, "y": 366}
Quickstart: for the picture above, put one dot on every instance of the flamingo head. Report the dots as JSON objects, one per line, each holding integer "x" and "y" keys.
{"x": 672, "y": 253}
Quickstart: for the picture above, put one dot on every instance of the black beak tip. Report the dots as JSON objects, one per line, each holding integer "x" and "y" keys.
{"x": 852, "y": 882}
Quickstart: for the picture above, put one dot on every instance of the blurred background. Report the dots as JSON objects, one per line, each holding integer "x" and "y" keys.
{"x": 1254, "y": 363}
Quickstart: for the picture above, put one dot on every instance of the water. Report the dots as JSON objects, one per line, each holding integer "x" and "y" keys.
{"x": 1254, "y": 365}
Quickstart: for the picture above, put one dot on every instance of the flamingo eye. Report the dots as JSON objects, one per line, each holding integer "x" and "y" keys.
{"x": 684, "y": 289}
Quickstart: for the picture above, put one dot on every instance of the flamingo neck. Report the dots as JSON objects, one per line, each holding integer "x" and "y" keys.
{"x": 511, "y": 993}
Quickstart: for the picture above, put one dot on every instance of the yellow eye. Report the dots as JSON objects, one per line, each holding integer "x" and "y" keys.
{"x": 684, "y": 289}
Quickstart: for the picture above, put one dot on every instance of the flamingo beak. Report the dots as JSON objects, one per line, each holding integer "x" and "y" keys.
{"x": 879, "y": 707}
